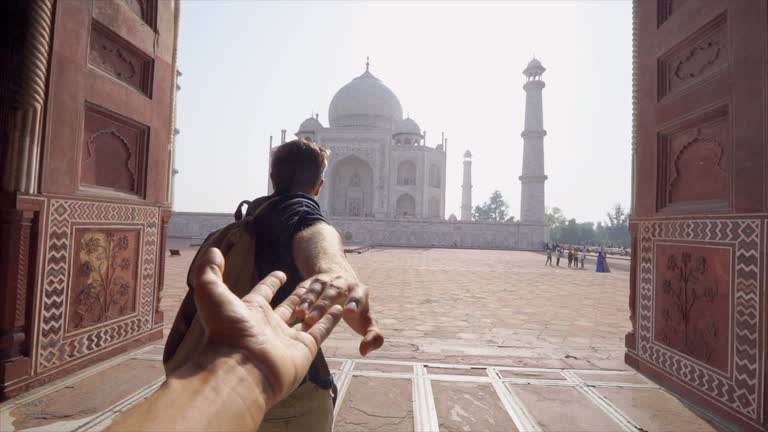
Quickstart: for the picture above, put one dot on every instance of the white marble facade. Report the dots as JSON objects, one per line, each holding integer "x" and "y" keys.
{"x": 380, "y": 164}
{"x": 385, "y": 187}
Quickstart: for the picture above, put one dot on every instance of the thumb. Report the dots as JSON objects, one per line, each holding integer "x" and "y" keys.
{"x": 211, "y": 294}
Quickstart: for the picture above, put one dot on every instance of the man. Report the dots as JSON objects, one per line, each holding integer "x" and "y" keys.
{"x": 252, "y": 358}
{"x": 559, "y": 255}
{"x": 583, "y": 257}
{"x": 549, "y": 257}
{"x": 296, "y": 239}
{"x": 570, "y": 257}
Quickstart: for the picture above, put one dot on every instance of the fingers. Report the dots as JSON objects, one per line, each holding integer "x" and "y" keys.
{"x": 322, "y": 329}
{"x": 267, "y": 287}
{"x": 211, "y": 295}
{"x": 322, "y": 295}
{"x": 372, "y": 341}
{"x": 313, "y": 288}
{"x": 287, "y": 309}
{"x": 357, "y": 299}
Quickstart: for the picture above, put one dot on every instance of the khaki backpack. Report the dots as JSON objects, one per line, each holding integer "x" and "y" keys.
{"x": 238, "y": 245}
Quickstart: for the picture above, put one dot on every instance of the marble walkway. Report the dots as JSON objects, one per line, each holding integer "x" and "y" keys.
{"x": 476, "y": 341}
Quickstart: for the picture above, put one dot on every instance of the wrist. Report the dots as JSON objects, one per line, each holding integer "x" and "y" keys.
{"x": 241, "y": 381}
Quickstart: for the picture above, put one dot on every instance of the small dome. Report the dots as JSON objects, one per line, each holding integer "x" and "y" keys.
{"x": 365, "y": 101}
{"x": 535, "y": 63}
{"x": 311, "y": 124}
{"x": 467, "y": 154}
{"x": 407, "y": 126}
{"x": 534, "y": 68}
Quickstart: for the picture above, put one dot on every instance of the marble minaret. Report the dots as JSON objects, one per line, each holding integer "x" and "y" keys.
{"x": 466, "y": 188}
{"x": 533, "y": 177}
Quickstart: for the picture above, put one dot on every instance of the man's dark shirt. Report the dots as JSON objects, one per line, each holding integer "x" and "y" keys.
{"x": 277, "y": 220}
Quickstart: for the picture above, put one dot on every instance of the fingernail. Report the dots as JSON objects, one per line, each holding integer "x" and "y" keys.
{"x": 352, "y": 306}
{"x": 304, "y": 306}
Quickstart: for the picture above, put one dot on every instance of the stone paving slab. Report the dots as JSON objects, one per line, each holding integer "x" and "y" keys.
{"x": 476, "y": 340}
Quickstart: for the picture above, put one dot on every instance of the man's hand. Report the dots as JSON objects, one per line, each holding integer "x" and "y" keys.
{"x": 250, "y": 327}
{"x": 323, "y": 292}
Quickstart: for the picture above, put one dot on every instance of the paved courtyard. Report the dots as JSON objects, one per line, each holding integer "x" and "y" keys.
{"x": 476, "y": 340}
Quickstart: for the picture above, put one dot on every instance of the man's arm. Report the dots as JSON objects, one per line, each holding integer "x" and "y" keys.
{"x": 320, "y": 250}
{"x": 252, "y": 360}
{"x": 319, "y": 255}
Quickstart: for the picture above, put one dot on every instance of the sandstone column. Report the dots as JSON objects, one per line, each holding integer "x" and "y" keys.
{"x": 533, "y": 177}
{"x": 466, "y": 188}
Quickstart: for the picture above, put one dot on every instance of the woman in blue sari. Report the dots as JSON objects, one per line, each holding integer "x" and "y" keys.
{"x": 600, "y": 263}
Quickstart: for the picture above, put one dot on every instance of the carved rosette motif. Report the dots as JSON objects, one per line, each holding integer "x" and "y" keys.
{"x": 54, "y": 348}
{"x": 738, "y": 389}
{"x": 703, "y": 53}
{"x": 120, "y": 59}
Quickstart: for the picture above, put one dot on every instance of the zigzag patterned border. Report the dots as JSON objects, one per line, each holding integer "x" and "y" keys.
{"x": 740, "y": 393}
{"x": 52, "y": 350}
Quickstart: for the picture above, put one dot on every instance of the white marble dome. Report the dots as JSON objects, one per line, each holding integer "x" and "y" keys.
{"x": 365, "y": 101}
{"x": 535, "y": 63}
{"x": 534, "y": 68}
{"x": 407, "y": 126}
{"x": 310, "y": 125}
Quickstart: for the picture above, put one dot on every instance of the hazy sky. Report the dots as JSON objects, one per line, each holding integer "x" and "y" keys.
{"x": 252, "y": 68}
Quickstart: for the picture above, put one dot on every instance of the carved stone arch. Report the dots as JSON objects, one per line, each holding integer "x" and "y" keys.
{"x": 696, "y": 172}
{"x": 405, "y": 205}
{"x": 351, "y": 187}
{"x": 406, "y": 173}
{"x": 110, "y": 161}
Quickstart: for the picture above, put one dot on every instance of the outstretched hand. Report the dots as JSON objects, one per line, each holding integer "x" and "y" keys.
{"x": 249, "y": 325}
{"x": 324, "y": 292}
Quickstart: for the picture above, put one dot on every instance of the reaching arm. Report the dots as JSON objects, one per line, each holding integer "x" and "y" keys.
{"x": 252, "y": 360}
{"x": 319, "y": 250}
{"x": 319, "y": 255}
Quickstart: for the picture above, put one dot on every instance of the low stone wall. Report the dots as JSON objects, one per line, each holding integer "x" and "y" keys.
{"x": 426, "y": 233}
{"x": 191, "y": 225}
{"x": 393, "y": 232}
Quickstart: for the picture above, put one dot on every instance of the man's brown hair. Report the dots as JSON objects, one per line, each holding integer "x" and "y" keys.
{"x": 298, "y": 166}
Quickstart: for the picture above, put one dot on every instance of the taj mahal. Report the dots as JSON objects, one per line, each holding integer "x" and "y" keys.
{"x": 380, "y": 165}
{"x": 385, "y": 183}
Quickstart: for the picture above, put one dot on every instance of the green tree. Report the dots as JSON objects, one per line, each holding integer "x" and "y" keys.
{"x": 555, "y": 220}
{"x": 618, "y": 226}
{"x": 495, "y": 209}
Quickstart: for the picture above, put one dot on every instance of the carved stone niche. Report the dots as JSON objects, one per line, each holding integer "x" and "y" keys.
{"x": 702, "y": 54}
{"x": 120, "y": 59}
{"x": 114, "y": 152}
{"x": 666, "y": 8}
{"x": 694, "y": 161}
{"x": 144, "y": 9}
{"x": 104, "y": 277}
{"x": 692, "y": 301}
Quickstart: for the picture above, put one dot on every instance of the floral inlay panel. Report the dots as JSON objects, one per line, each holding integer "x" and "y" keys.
{"x": 692, "y": 301}
{"x": 104, "y": 277}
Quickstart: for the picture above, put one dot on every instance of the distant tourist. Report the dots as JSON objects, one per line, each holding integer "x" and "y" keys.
{"x": 576, "y": 258}
{"x": 570, "y": 257}
{"x": 549, "y": 257}
{"x": 559, "y": 255}
{"x": 583, "y": 257}
{"x": 602, "y": 263}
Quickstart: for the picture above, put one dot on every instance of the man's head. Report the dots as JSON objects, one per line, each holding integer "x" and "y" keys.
{"x": 298, "y": 166}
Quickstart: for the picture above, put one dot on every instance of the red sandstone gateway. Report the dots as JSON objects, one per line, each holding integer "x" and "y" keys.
{"x": 700, "y": 204}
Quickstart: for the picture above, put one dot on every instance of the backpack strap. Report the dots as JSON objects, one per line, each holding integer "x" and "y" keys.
{"x": 239, "y": 210}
